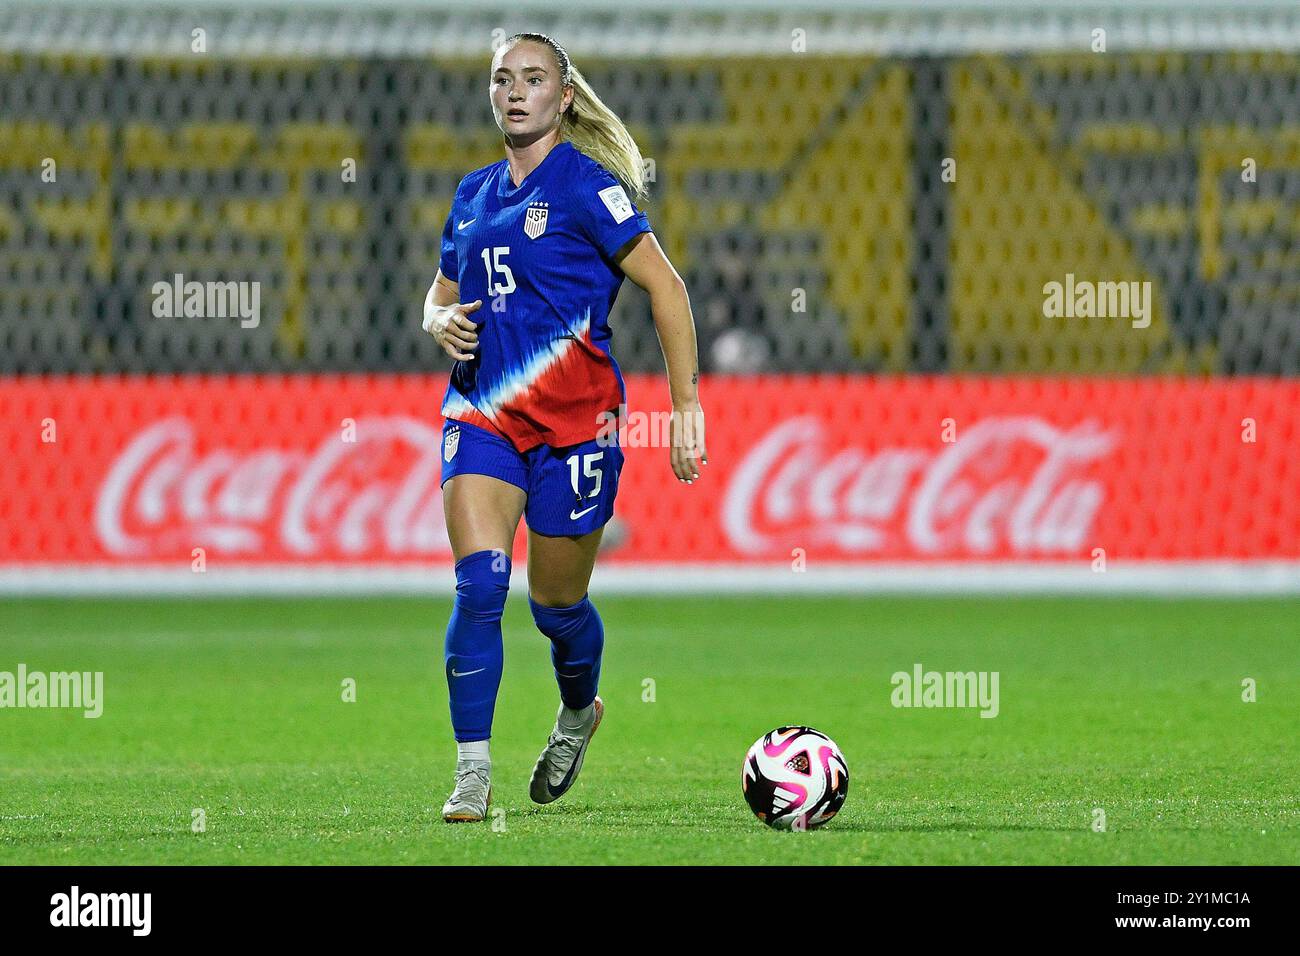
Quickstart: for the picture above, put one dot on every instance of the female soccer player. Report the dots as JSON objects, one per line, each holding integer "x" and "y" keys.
{"x": 533, "y": 255}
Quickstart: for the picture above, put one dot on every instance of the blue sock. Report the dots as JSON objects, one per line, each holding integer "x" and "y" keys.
{"x": 473, "y": 653}
{"x": 577, "y": 639}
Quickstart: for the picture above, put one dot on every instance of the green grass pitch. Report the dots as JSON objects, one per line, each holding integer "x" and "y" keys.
{"x": 234, "y": 707}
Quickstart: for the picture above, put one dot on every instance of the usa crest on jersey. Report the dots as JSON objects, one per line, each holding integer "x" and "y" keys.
{"x": 535, "y": 220}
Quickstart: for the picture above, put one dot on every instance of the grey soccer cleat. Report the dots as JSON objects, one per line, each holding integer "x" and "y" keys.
{"x": 472, "y": 796}
{"x": 561, "y": 760}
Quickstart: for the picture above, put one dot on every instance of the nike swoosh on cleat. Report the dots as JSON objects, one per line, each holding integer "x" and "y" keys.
{"x": 568, "y": 777}
{"x": 467, "y": 673}
{"x": 575, "y": 515}
{"x": 578, "y": 758}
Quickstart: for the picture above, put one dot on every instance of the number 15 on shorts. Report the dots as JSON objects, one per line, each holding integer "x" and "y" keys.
{"x": 589, "y": 470}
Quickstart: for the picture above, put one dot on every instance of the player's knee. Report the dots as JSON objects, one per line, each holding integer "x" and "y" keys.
{"x": 482, "y": 583}
{"x": 556, "y": 618}
{"x": 557, "y": 599}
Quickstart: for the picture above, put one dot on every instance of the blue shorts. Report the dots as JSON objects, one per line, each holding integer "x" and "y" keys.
{"x": 570, "y": 490}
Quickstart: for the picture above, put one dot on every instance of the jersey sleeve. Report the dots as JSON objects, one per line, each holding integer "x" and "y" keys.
{"x": 608, "y": 217}
{"x": 447, "y": 261}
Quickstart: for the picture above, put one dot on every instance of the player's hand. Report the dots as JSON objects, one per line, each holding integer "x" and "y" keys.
{"x": 450, "y": 327}
{"x": 686, "y": 436}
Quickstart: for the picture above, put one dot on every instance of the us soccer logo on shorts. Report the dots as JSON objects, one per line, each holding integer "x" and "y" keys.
{"x": 450, "y": 444}
{"x": 535, "y": 221}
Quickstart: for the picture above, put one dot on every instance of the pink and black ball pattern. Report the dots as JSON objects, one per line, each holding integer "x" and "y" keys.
{"x": 794, "y": 777}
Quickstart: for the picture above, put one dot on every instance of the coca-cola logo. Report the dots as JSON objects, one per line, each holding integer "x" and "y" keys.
{"x": 372, "y": 492}
{"x": 1013, "y": 484}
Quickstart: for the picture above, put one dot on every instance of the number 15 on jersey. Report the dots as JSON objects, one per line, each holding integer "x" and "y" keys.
{"x": 501, "y": 281}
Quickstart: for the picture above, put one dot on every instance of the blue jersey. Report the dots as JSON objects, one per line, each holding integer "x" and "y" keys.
{"x": 540, "y": 257}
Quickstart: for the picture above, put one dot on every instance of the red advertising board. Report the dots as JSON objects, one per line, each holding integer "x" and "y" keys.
{"x": 330, "y": 469}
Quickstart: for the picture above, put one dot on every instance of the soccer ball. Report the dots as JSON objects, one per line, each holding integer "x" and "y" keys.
{"x": 794, "y": 778}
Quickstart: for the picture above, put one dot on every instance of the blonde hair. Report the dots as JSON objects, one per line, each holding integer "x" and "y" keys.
{"x": 592, "y": 127}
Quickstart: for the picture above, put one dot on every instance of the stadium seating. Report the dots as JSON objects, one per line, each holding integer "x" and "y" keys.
{"x": 804, "y": 199}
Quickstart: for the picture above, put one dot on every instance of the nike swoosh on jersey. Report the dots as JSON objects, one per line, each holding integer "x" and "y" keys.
{"x": 574, "y": 516}
{"x": 467, "y": 222}
{"x": 467, "y": 673}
